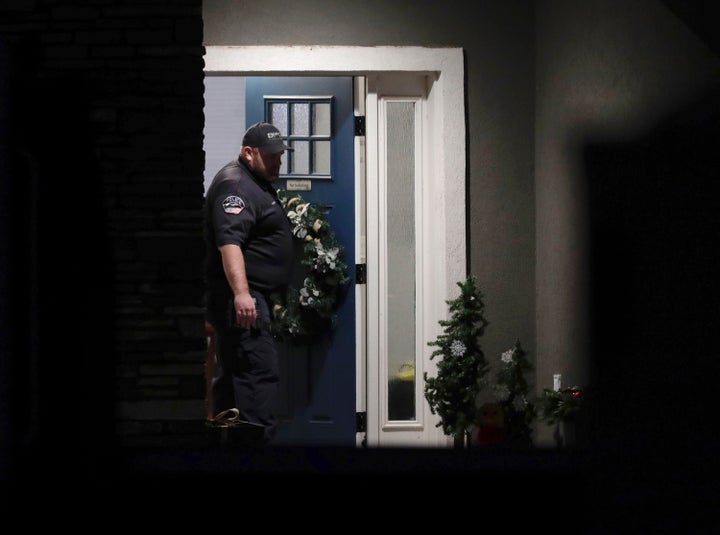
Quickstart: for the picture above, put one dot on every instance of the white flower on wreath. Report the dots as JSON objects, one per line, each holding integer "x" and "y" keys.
{"x": 300, "y": 231}
{"x": 325, "y": 258}
{"x": 507, "y": 356}
{"x": 296, "y": 216}
{"x": 308, "y": 293}
{"x": 293, "y": 328}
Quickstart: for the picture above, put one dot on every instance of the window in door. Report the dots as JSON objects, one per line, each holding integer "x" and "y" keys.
{"x": 305, "y": 124}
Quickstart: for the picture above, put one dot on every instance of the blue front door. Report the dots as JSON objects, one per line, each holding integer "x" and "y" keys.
{"x": 318, "y": 391}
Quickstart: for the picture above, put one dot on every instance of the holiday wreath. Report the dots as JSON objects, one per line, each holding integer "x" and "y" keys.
{"x": 302, "y": 314}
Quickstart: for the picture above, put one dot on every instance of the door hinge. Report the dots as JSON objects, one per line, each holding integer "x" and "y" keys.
{"x": 360, "y": 422}
{"x": 359, "y": 125}
{"x": 360, "y": 273}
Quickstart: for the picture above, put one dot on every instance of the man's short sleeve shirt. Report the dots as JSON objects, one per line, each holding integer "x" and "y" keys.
{"x": 244, "y": 211}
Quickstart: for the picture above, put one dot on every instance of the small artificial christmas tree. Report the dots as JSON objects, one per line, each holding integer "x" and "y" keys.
{"x": 511, "y": 390}
{"x": 453, "y": 393}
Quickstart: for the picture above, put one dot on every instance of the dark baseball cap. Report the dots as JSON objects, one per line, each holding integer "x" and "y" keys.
{"x": 266, "y": 137}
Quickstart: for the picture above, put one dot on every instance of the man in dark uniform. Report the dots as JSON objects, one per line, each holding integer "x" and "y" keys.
{"x": 249, "y": 252}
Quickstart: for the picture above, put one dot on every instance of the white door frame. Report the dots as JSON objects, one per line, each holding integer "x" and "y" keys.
{"x": 443, "y": 180}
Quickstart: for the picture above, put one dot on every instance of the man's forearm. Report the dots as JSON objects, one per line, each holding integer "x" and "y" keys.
{"x": 234, "y": 266}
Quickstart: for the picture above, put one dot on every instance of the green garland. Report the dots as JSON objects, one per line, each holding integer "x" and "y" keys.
{"x": 303, "y": 314}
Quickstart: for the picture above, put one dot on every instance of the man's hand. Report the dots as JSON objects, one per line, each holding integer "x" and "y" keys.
{"x": 245, "y": 312}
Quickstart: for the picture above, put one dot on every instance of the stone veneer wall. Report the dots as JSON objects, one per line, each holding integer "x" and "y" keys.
{"x": 104, "y": 107}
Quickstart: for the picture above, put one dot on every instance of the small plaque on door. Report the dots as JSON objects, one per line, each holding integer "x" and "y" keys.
{"x": 299, "y": 185}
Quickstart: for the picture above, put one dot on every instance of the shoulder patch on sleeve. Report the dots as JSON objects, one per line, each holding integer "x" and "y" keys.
{"x": 233, "y": 204}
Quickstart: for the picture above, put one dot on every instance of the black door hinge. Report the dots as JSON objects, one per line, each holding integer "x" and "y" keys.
{"x": 359, "y": 125}
{"x": 360, "y": 422}
{"x": 360, "y": 273}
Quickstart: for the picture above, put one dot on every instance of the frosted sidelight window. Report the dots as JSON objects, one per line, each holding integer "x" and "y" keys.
{"x": 306, "y": 125}
{"x": 400, "y": 210}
